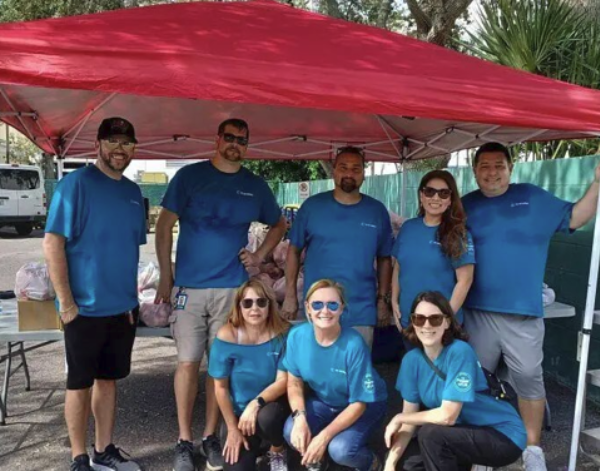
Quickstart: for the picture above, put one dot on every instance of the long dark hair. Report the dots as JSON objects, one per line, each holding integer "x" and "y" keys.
{"x": 439, "y": 300}
{"x": 452, "y": 232}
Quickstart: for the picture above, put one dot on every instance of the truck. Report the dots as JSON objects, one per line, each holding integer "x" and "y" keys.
{"x": 22, "y": 198}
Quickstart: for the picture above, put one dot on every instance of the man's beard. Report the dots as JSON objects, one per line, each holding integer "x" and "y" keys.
{"x": 114, "y": 165}
{"x": 348, "y": 185}
{"x": 232, "y": 154}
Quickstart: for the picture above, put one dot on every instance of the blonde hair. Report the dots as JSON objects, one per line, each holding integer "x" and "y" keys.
{"x": 317, "y": 285}
{"x": 275, "y": 323}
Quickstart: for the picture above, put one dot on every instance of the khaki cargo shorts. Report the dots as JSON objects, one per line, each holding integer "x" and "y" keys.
{"x": 195, "y": 327}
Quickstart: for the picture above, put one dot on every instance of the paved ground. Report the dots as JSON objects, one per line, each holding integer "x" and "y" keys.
{"x": 35, "y": 437}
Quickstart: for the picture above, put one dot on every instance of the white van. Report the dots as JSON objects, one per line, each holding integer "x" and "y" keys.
{"x": 22, "y": 197}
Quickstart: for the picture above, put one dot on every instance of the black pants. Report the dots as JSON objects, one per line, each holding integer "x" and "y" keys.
{"x": 458, "y": 448}
{"x": 269, "y": 432}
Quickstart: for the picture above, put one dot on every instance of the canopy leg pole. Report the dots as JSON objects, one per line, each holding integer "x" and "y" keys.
{"x": 60, "y": 168}
{"x": 403, "y": 189}
{"x": 588, "y": 321}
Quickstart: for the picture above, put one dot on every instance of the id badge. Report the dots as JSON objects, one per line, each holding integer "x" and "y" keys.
{"x": 180, "y": 300}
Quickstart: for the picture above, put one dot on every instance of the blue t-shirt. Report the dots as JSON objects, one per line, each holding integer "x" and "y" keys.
{"x": 423, "y": 265}
{"x": 215, "y": 210}
{"x": 342, "y": 243}
{"x": 465, "y": 382}
{"x": 104, "y": 222}
{"x": 250, "y": 368}
{"x": 340, "y": 374}
{"x": 512, "y": 234}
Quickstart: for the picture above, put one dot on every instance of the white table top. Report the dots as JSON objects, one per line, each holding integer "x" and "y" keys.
{"x": 9, "y": 328}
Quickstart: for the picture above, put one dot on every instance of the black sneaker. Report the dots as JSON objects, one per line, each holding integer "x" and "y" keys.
{"x": 112, "y": 460}
{"x": 184, "y": 456}
{"x": 211, "y": 449}
{"x": 81, "y": 463}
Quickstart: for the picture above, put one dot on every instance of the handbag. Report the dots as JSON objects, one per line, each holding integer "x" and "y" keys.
{"x": 497, "y": 388}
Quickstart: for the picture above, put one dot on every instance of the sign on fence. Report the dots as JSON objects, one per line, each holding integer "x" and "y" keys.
{"x": 303, "y": 190}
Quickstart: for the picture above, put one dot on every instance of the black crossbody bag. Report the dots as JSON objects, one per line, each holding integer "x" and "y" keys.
{"x": 497, "y": 388}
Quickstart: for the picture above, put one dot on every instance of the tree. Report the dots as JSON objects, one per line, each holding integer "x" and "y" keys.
{"x": 436, "y": 19}
{"x": 559, "y": 39}
{"x": 287, "y": 170}
{"x": 20, "y": 149}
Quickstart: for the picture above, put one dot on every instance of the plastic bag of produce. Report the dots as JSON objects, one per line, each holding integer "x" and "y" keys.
{"x": 33, "y": 282}
{"x": 153, "y": 315}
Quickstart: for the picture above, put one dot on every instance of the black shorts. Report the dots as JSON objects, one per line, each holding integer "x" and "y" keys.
{"x": 98, "y": 348}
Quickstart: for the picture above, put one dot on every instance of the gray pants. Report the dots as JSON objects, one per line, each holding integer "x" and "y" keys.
{"x": 517, "y": 340}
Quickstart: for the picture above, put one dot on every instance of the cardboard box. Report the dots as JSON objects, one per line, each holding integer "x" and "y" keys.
{"x": 37, "y": 315}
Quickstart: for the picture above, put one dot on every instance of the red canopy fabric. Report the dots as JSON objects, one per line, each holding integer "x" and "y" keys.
{"x": 305, "y": 83}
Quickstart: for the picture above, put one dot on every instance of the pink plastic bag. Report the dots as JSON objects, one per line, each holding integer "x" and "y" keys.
{"x": 153, "y": 315}
{"x": 280, "y": 253}
{"x": 33, "y": 282}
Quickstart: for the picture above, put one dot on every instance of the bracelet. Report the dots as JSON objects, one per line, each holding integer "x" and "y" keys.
{"x": 69, "y": 309}
{"x": 384, "y": 297}
{"x": 297, "y": 413}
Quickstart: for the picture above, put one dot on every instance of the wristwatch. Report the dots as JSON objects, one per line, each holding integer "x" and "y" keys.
{"x": 298, "y": 413}
{"x": 386, "y": 297}
{"x": 261, "y": 402}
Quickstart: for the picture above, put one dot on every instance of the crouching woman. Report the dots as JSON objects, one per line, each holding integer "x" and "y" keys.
{"x": 347, "y": 398}
{"x": 463, "y": 424}
{"x": 250, "y": 382}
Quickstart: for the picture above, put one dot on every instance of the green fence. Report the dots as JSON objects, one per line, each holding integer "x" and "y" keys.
{"x": 568, "y": 260}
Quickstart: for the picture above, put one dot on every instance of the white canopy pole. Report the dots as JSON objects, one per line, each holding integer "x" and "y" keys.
{"x": 59, "y": 167}
{"x": 588, "y": 321}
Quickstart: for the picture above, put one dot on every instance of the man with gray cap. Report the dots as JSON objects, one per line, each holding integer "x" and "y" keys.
{"x": 95, "y": 226}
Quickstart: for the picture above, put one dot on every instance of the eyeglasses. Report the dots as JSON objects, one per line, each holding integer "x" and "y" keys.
{"x": 332, "y": 306}
{"x": 112, "y": 143}
{"x": 429, "y": 192}
{"x": 247, "y": 303}
{"x": 242, "y": 141}
{"x": 435, "y": 320}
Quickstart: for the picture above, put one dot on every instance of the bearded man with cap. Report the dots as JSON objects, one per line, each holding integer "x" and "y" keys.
{"x": 95, "y": 226}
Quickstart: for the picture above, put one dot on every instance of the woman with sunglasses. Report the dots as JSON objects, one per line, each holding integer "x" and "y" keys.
{"x": 463, "y": 424}
{"x": 434, "y": 251}
{"x": 250, "y": 382}
{"x": 347, "y": 399}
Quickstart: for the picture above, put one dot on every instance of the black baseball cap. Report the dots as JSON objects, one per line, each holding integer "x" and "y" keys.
{"x": 113, "y": 126}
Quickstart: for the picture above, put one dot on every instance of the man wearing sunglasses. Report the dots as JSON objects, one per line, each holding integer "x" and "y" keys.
{"x": 512, "y": 225}
{"x": 344, "y": 232}
{"x": 214, "y": 201}
{"x": 95, "y": 226}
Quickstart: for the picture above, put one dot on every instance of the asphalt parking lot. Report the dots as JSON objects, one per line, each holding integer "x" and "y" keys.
{"x": 35, "y": 437}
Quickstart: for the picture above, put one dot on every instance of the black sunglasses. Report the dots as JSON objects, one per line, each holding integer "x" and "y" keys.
{"x": 429, "y": 192}
{"x": 435, "y": 320}
{"x": 228, "y": 137}
{"x": 247, "y": 303}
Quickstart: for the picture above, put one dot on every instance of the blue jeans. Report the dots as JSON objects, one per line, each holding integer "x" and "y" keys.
{"x": 349, "y": 447}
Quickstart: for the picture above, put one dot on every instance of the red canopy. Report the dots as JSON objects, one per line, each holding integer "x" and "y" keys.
{"x": 306, "y": 83}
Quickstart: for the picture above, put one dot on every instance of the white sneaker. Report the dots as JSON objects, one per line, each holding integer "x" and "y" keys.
{"x": 534, "y": 459}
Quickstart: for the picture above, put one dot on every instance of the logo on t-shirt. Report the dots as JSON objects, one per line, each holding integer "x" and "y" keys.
{"x": 368, "y": 383}
{"x": 366, "y": 224}
{"x": 337, "y": 370}
{"x": 243, "y": 193}
{"x": 463, "y": 382}
{"x": 520, "y": 203}
{"x": 134, "y": 202}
